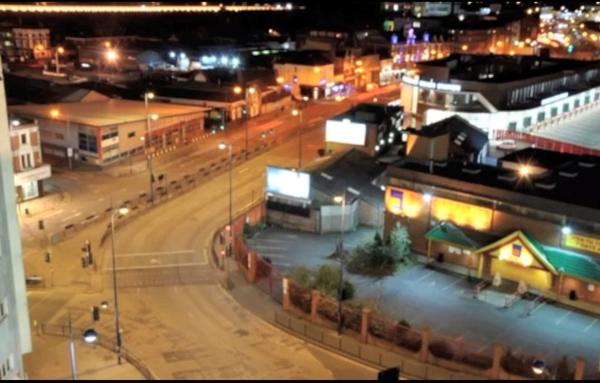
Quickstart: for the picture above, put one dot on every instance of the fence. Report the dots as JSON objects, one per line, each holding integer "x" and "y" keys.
{"x": 102, "y": 341}
{"x": 375, "y": 329}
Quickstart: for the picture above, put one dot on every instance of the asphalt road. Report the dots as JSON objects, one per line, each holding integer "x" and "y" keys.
{"x": 175, "y": 315}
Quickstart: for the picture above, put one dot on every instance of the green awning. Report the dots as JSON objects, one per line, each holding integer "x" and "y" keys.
{"x": 572, "y": 263}
{"x": 448, "y": 232}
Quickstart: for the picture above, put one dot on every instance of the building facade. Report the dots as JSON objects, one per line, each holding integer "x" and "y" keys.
{"x": 30, "y": 171}
{"x": 15, "y": 337}
{"x": 33, "y": 41}
{"x": 104, "y": 132}
{"x": 539, "y": 229}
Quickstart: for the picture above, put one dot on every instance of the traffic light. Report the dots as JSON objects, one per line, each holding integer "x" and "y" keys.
{"x": 570, "y": 48}
{"x": 389, "y": 375}
{"x": 96, "y": 313}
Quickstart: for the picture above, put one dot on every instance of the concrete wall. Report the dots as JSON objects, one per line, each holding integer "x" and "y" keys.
{"x": 370, "y": 215}
{"x": 295, "y": 222}
{"x": 331, "y": 218}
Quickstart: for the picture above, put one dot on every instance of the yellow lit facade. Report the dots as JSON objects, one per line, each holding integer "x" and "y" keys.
{"x": 404, "y": 202}
{"x": 462, "y": 214}
{"x": 581, "y": 242}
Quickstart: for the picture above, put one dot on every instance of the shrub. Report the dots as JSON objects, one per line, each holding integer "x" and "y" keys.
{"x": 303, "y": 276}
{"x": 563, "y": 370}
{"x": 300, "y": 298}
{"x": 378, "y": 327}
{"x": 352, "y": 318}
{"x": 518, "y": 365}
{"x": 477, "y": 360}
{"x": 328, "y": 310}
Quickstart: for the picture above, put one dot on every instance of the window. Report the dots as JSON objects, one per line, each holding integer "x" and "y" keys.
{"x": 26, "y": 161}
{"x": 565, "y": 108}
{"x": 526, "y": 122}
{"x": 541, "y": 116}
{"x": 110, "y": 135}
{"x": 587, "y": 99}
{"x": 577, "y": 103}
{"x": 131, "y": 134}
{"x": 88, "y": 143}
{"x": 3, "y": 309}
{"x": 597, "y": 97}
{"x": 512, "y": 127}
{"x": 24, "y": 138}
{"x": 553, "y": 112}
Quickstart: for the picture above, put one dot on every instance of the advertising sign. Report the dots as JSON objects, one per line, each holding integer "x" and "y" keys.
{"x": 288, "y": 183}
{"x": 345, "y": 132}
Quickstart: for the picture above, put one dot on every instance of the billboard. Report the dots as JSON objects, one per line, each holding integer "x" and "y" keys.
{"x": 289, "y": 183}
{"x": 345, "y": 132}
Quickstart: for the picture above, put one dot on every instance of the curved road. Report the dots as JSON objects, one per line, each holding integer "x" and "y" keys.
{"x": 196, "y": 330}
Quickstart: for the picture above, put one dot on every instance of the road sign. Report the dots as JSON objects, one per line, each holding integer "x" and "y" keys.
{"x": 69, "y": 152}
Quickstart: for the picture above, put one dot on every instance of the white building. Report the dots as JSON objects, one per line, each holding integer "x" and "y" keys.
{"x": 499, "y": 93}
{"x": 15, "y": 337}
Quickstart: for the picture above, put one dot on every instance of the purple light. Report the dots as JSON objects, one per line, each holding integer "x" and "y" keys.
{"x": 394, "y": 39}
{"x": 426, "y": 37}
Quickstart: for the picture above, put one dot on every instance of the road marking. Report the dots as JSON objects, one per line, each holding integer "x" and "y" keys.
{"x": 243, "y": 170}
{"x": 53, "y": 213}
{"x": 170, "y": 265}
{"x": 316, "y": 119}
{"x": 563, "y": 317}
{"x": 71, "y": 216}
{"x": 452, "y": 284}
{"x": 537, "y": 308}
{"x": 424, "y": 276}
{"x": 590, "y": 325}
{"x": 156, "y": 253}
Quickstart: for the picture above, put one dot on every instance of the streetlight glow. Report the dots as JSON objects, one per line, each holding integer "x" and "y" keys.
{"x": 154, "y": 116}
{"x": 427, "y": 197}
{"x": 251, "y": 90}
{"x": 566, "y": 230}
{"x": 54, "y": 113}
{"x": 295, "y": 112}
{"x": 60, "y": 50}
{"x": 150, "y": 95}
{"x": 237, "y": 89}
{"x": 90, "y": 336}
{"x": 112, "y": 55}
{"x": 123, "y": 211}
{"x": 338, "y": 199}
{"x": 222, "y": 146}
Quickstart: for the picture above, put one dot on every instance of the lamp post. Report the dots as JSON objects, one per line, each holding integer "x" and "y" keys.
{"x": 55, "y": 113}
{"x": 539, "y": 368}
{"x": 88, "y": 336}
{"x": 223, "y": 146}
{"x": 149, "y": 96}
{"x": 59, "y": 51}
{"x": 341, "y": 199}
{"x": 122, "y": 211}
{"x": 299, "y": 112}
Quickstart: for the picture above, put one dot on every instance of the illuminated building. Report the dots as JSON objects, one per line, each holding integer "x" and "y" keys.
{"x": 541, "y": 227}
{"x": 33, "y": 42}
{"x": 15, "y": 336}
{"x": 500, "y": 93}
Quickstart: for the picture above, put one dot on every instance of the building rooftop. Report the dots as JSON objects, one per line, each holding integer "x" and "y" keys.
{"x": 24, "y": 90}
{"x": 354, "y": 169}
{"x": 567, "y": 189}
{"x": 465, "y": 136}
{"x": 103, "y": 113}
{"x": 369, "y": 113}
{"x": 306, "y": 57}
{"x": 541, "y": 158}
{"x": 503, "y": 68}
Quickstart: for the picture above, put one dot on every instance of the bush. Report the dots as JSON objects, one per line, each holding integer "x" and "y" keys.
{"x": 352, "y": 318}
{"x": 381, "y": 256}
{"x": 251, "y": 230}
{"x": 328, "y": 310}
{"x": 518, "y": 365}
{"x": 303, "y": 277}
{"x": 326, "y": 279}
{"x": 300, "y": 298}
{"x": 482, "y": 362}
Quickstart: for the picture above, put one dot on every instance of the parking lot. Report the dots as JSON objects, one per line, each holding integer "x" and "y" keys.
{"x": 444, "y": 301}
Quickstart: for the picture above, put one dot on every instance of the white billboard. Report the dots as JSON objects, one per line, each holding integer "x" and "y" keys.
{"x": 345, "y": 132}
{"x": 288, "y": 183}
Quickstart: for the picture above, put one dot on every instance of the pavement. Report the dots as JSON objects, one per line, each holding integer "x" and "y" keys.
{"x": 443, "y": 300}
{"x": 175, "y": 316}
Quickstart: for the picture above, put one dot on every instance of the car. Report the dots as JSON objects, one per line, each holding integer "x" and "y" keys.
{"x": 507, "y": 145}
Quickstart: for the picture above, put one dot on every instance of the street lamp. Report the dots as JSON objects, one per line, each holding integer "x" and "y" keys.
{"x": 539, "y": 368}
{"x": 54, "y": 114}
{"x": 121, "y": 212}
{"x": 89, "y": 336}
{"x": 112, "y": 55}
{"x": 223, "y": 146}
{"x": 341, "y": 199}
{"x": 59, "y": 51}
{"x": 147, "y": 97}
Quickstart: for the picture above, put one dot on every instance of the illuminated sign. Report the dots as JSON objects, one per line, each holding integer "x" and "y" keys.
{"x": 403, "y": 202}
{"x": 429, "y": 84}
{"x": 550, "y": 100}
{"x": 288, "y": 183}
{"x": 515, "y": 252}
{"x": 462, "y": 214}
{"x": 581, "y": 242}
{"x": 345, "y": 132}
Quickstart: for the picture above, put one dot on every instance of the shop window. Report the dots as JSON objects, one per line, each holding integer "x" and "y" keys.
{"x": 512, "y": 127}
{"x": 577, "y": 103}
{"x": 110, "y": 135}
{"x": 586, "y": 99}
{"x": 88, "y": 143}
{"x": 526, "y": 122}
{"x": 131, "y": 134}
{"x": 553, "y": 112}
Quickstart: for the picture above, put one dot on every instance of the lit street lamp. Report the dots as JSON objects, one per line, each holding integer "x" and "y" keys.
{"x": 89, "y": 336}
{"x": 59, "y": 51}
{"x": 224, "y": 146}
{"x": 54, "y": 114}
{"x": 539, "y": 368}
{"x": 341, "y": 199}
{"x": 299, "y": 112}
{"x": 121, "y": 212}
{"x": 149, "y": 96}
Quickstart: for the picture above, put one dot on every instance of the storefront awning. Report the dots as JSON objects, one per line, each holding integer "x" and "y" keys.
{"x": 447, "y": 232}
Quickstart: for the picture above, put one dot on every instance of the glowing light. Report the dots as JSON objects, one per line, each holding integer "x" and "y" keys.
{"x": 54, "y": 113}
{"x": 280, "y": 80}
{"x": 251, "y": 90}
{"x": 524, "y": 170}
{"x": 154, "y": 116}
{"x": 317, "y": 69}
{"x": 566, "y": 230}
{"x": 237, "y": 89}
{"x": 464, "y": 47}
{"x": 112, "y": 55}
{"x": 427, "y": 197}
{"x": 60, "y": 50}
{"x": 295, "y": 112}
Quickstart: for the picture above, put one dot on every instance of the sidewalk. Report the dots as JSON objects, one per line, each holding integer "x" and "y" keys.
{"x": 93, "y": 362}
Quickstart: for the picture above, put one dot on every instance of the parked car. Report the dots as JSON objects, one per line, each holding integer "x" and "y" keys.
{"x": 507, "y": 145}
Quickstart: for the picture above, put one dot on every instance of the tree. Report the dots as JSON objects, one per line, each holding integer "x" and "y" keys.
{"x": 400, "y": 241}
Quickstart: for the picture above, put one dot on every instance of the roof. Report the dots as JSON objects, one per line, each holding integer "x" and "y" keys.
{"x": 369, "y": 113}
{"x": 307, "y": 57}
{"x": 354, "y": 169}
{"x": 446, "y": 231}
{"x": 574, "y": 193}
{"x": 572, "y": 263}
{"x": 104, "y": 113}
{"x": 199, "y": 91}
{"x": 539, "y": 158}
{"x": 463, "y": 135}
{"x": 22, "y": 90}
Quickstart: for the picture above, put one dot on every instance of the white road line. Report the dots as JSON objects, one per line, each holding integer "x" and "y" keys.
{"x": 53, "y": 213}
{"x": 452, "y": 284}
{"x": 243, "y": 170}
{"x": 71, "y": 216}
{"x": 537, "y": 308}
{"x": 563, "y": 317}
{"x": 590, "y": 325}
{"x": 424, "y": 276}
{"x": 170, "y": 265}
{"x": 313, "y": 120}
{"x": 156, "y": 253}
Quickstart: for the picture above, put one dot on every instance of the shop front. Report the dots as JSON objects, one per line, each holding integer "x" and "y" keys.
{"x": 28, "y": 183}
